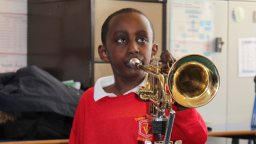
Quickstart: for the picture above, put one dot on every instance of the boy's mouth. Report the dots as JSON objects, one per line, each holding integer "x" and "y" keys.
{"x": 129, "y": 63}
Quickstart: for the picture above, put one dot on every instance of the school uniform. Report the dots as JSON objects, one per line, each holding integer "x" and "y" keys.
{"x": 106, "y": 118}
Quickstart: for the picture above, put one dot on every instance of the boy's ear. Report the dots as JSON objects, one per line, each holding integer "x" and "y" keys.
{"x": 103, "y": 53}
{"x": 154, "y": 50}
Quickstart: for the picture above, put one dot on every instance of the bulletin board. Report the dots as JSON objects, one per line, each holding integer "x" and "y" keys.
{"x": 192, "y": 28}
{"x": 13, "y": 35}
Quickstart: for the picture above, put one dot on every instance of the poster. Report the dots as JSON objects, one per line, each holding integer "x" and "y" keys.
{"x": 247, "y": 57}
{"x": 192, "y": 28}
{"x": 11, "y": 63}
{"x": 13, "y": 35}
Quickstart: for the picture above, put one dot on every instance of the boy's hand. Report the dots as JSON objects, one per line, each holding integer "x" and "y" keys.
{"x": 180, "y": 107}
{"x": 166, "y": 57}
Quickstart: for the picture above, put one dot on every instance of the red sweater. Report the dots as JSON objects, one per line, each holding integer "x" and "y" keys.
{"x": 123, "y": 120}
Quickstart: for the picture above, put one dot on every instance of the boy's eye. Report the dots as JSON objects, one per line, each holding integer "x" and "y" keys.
{"x": 142, "y": 40}
{"x": 121, "y": 40}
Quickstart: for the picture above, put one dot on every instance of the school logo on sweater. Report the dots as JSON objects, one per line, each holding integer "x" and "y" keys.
{"x": 145, "y": 129}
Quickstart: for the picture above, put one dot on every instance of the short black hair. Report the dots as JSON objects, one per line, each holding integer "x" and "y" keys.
{"x": 105, "y": 26}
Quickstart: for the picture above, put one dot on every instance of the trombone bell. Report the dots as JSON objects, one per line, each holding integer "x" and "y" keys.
{"x": 193, "y": 81}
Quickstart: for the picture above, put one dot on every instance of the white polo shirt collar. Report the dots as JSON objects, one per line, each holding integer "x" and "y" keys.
{"x": 106, "y": 81}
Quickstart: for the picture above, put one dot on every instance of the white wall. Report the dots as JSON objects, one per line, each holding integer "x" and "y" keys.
{"x": 234, "y": 102}
{"x": 215, "y": 111}
{"x": 240, "y": 89}
{"x": 211, "y": 113}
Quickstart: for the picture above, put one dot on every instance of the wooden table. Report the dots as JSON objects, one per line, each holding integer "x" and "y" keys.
{"x": 64, "y": 141}
{"x": 234, "y": 131}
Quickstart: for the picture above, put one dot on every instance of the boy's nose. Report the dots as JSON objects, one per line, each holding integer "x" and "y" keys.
{"x": 133, "y": 49}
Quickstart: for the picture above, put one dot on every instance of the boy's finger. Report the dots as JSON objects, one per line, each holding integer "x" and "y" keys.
{"x": 166, "y": 57}
{"x": 181, "y": 108}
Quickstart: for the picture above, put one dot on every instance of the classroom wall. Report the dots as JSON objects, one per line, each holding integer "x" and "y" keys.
{"x": 240, "y": 90}
{"x": 234, "y": 102}
{"x": 214, "y": 112}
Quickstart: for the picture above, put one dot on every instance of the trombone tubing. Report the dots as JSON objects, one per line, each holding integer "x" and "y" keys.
{"x": 157, "y": 75}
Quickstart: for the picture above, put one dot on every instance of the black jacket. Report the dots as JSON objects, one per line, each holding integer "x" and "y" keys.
{"x": 31, "y": 89}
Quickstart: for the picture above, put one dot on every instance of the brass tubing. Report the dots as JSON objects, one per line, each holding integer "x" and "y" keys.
{"x": 157, "y": 108}
{"x": 144, "y": 96}
{"x": 155, "y": 102}
{"x": 149, "y": 71}
{"x": 159, "y": 76}
{"x": 134, "y": 62}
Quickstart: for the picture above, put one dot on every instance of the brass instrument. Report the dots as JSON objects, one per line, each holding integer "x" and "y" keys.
{"x": 193, "y": 81}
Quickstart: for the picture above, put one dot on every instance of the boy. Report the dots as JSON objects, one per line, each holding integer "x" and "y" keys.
{"x": 111, "y": 112}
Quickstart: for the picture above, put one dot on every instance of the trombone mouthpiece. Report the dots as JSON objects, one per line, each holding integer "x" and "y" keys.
{"x": 134, "y": 62}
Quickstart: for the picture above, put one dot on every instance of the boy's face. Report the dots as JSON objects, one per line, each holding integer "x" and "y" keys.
{"x": 129, "y": 36}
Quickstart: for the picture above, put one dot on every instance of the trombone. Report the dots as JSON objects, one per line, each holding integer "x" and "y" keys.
{"x": 192, "y": 81}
